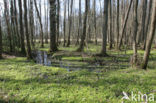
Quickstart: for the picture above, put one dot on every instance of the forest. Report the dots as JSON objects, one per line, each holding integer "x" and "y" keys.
{"x": 77, "y": 51}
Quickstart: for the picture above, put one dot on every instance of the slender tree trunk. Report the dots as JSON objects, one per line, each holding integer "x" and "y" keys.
{"x": 125, "y": 23}
{"x": 23, "y": 51}
{"x": 29, "y": 55}
{"x": 148, "y": 22}
{"x": 58, "y": 20}
{"x": 135, "y": 25}
{"x": 83, "y": 36}
{"x": 110, "y": 25}
{"x": 150, "y": 37}
{"x": 1, "y": 47}
{"x": 80, "y": 24}
{"x": 105, "y": 24}
{"x": 32, "y": 22}
{"x": 8, "y": 24}
{"x": 70, "y": 23}
{"x": 117, "y": 23}
{"x": 53, "y": 44}
{"x": 40, "y": 21}
{"x": 94, "y": 4}
{"x": 65, "y": 3}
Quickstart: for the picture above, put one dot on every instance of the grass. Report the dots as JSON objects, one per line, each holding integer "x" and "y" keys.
{"x": 23, "y": 81}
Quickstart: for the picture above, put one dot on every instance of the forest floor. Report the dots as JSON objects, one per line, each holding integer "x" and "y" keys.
{"x": 95, "y": 80}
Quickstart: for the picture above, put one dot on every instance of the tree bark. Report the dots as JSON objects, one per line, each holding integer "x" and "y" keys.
{"x": 117, "y": 23}
{"x": 53, "y": 44}
{"x": 105, "y": 24}
{"x": 23, "y": 51}
{"x": 125, "y": 23}
{"x": 29, "y": 55}
{"x": 1, "y": 47}
{"x": 83, "y": 36}
{"x": 135, "y": 25}
{"x": 58, "y": 20}
{"x": 150, "y": 37}
{"x": 6, "y": 14}
{"x": 65, "y": 3}
{"x": 40, "y": 21}
{"x": 110, "y": 25}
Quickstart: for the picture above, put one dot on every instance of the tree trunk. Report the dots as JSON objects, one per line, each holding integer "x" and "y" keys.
{"x": 117, "y": 24}
{"x": 105, "y": 24}
{"x": 65, "y": 3}
{"x": 29, "y": 55}
{"x": 8, "y": 25}
{"x": 125, "y": 23}
{"x": 40, "y": 21}
{"x": 135, "y": 25}
{"x": 80, "y": 24}
{"x": 83, "y": 36}
{"x": 31, "y": 22}
{"x": 23, "y": 51}
{"x": 70, "y": 23}
{"x": 58, "y": 20}
{"x": 94, "y": 4}
{"x": 150, "y": 37}
{"x": 53, "y": 44}
{"x": 1, "y": 47}
{"x": 110, "y": 25}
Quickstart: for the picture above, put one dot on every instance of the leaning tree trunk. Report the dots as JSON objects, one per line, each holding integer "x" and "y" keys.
{"x": 150, "y": 37}
{"x": 83, "y": 36}
{"x": 0, "y": 39}
{"x": 40, "y": 21}
{"x": 29, "y": 55}
{"x": 53, "y": 44}
{"x": 135, "y": 25}
{"x": 125, "y": 23}
{"x": 105, "y": 23}
{"x": 23, "y": 51}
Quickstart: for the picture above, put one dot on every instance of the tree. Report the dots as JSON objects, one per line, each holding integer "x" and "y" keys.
{"x": 58, "y": 20}
{"x": 40, "y": 21}
{"x": 94, "y": 7}
{"x": 6, "y": 13}
{"x": 110, "y": 25}
{"x": 29, "y": 55}
{"x": 53, "y": 44}
{"x": 105, "y": 24}
{"x": 117, "y": 23}
{"x": 31, "y": 16}
{"x": 80, "y": 24}
{"x": 64, "y": 22}
{"x": 125, "y": 23}
{"x": 150, "y": 37}
{"x": 0, "y": 39}
{"x": 135, "y": 25}
{"x": 70, "y": 22}
{"x": 83, "y": 36}
{"x": 23, "y": 51}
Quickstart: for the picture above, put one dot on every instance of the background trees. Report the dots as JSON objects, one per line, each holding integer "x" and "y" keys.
{"x": 114, "y": 23}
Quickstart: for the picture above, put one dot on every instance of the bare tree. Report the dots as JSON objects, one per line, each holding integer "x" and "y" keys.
{"x": 117, "y": 23}
{"x": 83, "y": 36}
{"x": 150, "y": 37}
{"x": 23, "y": 51}
{"x": 0, "y": 39}
{"x": 6, "y": 13}
{"x": 135, "y": 25}
{"x": 65, "y": 3}
{"x": 105, "y": 23}
{"x": 58, "y": 20}
{"x": 29, "y": 55}
{"x": 40, "y": 21}
{"x": 53, "y": 44}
